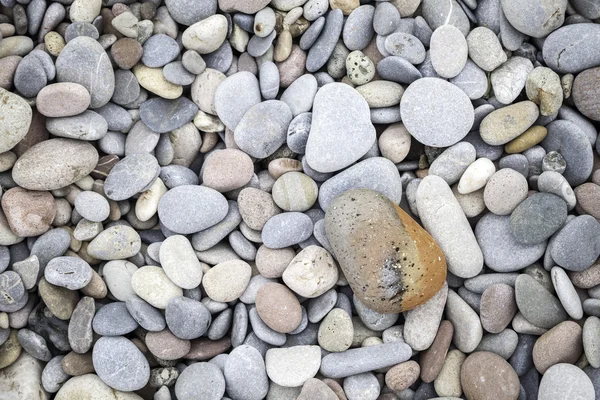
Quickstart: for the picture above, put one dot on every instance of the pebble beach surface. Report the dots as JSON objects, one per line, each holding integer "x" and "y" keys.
{"x": 299, "y": 200}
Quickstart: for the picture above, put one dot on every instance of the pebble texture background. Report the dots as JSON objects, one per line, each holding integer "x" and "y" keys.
{"x": 299, "y": 199}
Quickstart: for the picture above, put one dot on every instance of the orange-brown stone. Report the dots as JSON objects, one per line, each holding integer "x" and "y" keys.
{"x": 390, "y": 261}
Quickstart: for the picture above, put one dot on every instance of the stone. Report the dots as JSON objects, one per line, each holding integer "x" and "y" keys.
{"x": 508, "y": 80}
{"x": 81, "y": 55}
{"x": 572, "y": 48}
{"x": 227, "y": 280}
{"x": 422, "y": 323}
{"x": 113, "y": 320}
{"x": 153, "y": 80}
{"x": 497, "y": 307}
{"x": 166, "y": 346}
{"x": 29, "y": 213}
{"x": 473, "y": 81}
{"x": 507, "y": 123}
{"x": 537, "y": 304}
{"x": 311, "y": 273}
{"x": 537, "y": 218}
{"x": 449, "y": 51}
{"x": 467, "y": 326}
{"x": 437, "y": 14}
{"x": 398, "y": 69}
{"x": 448, "y": 225}
{"x": 336, "y": 331}
{"x": 323, "y": 47}
{"x": 245, "y": 374}
{"x": 350, "y": 137}
{"x": 584, "y": 93}
{"x": 363, "y": 385}
{"x": 574, "y": 247}
{"x": 487, "y": 375}
{"x": 316, "y": 389}
{"x": 562, "y": 381}
{"x": 286, "y": 229}
{"x": 561, "y": 344}
{"x": 70, "y": 272}
{"x": 229, "y": 105}
{"x": 278, "y": 308}
{"x": 504, "y": 191}
{"x": 406, "y": 46}
{"x": 402, "y": 376}
{"x": 16, "y": 115}
{"x": 293, "y": 366}
{"x": 207, "y": 35}
{"x": 120, "y": 364}
{"x": 80, "y": 327}
{"x": 23, "y": 378}
{"x": 187, "y": 318}
{"x": 263, "y": 128}
{"x": 358, "y": 29}
{"x": 447, "y": 102}
{"x": 544, "y": 87}
{"x": 85, "y": 126}
{"x": 448, "y": 382}
{"x": 538, "y": 19}
{"x": 164, "y": 115}
{"x": 476, "y": 175}
{"x": 201, "y": 379}
{"x": 485, "y": 49}
{"x": 114, "y": 243}
{"x": 179, "y": 261}
{"x": 152, "y": 285}
{"x": 432, "y": 359}
{"x": 54, "y": 164}
{"x": 364, "y": 359}
{"x": 188, "y": 209}
{"x": 386, "y": 293}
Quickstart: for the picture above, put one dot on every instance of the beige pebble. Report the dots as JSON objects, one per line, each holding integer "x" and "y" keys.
{"x": 336, "y": 331}
{"x": 60, "y": 301}
{"x": 226, "y": 170}
{"x": 152, "y": 79}
{"x": 271, "y": 263}
{"x": 256, "y": 207}
{"x": 146, "y": 205}
{"x": 278, "y": 307}
{"x": 152, "y": 285}
{"x": 447, "y": 382}
{"x": 394, "y": 143}
{"x": 295, "y": 191}
{"x": 312, "y": 272}
{"x": 29, "y": 213}
{"x": 54, "y": 43}
{"x": 227, "y": 281}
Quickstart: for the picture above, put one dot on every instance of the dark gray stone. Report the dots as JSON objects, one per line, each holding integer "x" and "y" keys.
{"x": 576, "y": 246}
{"x": 537, "y": 218}
{"x": 537, "y": 304}
{"x": 164, "y": 115}
{"x": 322, "y": 49}
{"x": 131, "y": 175}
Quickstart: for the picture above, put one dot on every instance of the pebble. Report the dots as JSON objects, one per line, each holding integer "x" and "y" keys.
{"x": 81, "y": 55}
{"x": 448, "y": 51}
{"x": 70, "y": 272}
{"x": 467, "y": 326}
{"x": 115, "y": 243}
{"x": 463, "y": 254}
{"x": 364, "y": 359}
{"x": 292, "y": 366}
{"x": 563, "y": 343}
{"x": 120, "y": 364}
{"x": 278, "y": 308}
{"x": 323, "y": 47}
{"x": 567, "y": 50}
{"x": 509, "y": 79}
{"x": 584, "y": 95}
{"x": 424, "y": 98}
{"x": 201, "y": 379}
{"x": 245, "y": 374}
{"x": 356, "y": 135}
{"x": 311, "y": 273}
{"x": 537, "y": 304}
{"x": 487, "y": 374}
{"x": 260, "y": 138}
{"x": 537, "y": 218}
{"x": 227, "y": 281}
{"x": 187, "y": 318}
{"x": 229, "y": 106}
{"x": 286, "y": 229}
{"x": 448, "y": 382}
{"x": 359, "y": 28}
{"x": 152, "y": 285}
{"x": 505, "y": 124}
{"x": 562, "y": 381}
{"x": 113, "y": 320}
{"x": 188, "y": 209}
{"x": 574, "y": 248}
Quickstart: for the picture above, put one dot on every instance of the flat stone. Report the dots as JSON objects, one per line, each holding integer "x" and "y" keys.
{"x": 422, "y": 99}
{"x": 508, "y": 80}
{"x": 487, "y": 374}
{"x": 167, "y": 346}
{"x": 584, "y": 93}
{"x": 153, "y": 286}
{"x": 120, "y": 364}
{"x": 164, "y": 115}
{"x": 70, "y": 272}
{"x": 538, "y": 19}
{"x": 286, "y": 229}
{"x": 437, "y": 14}
{"x": 245, "y": 374}
{"x": 263, "y": 128}
{"x": 227, "y": 281}
{"x": 537, "y": 218}
{"x": 562, "y": 381}
{"x": 114, "y": 243}
{"x": 229, "y": 105}
{"x": 113, "y": 320}
{"x": 88, "y": 125}
{"x": 497, "y": 307}
{"x": 574, "y": 248}
{"x": 449, "y": 51}
{"x": 561, "y": 344}
{"x": 448, "y": 225}
{"x": 16, "y": 115}
{"x": 334, "y": 142}
{"x": 188, "y": 209}
{"x": 312, "y": 272}
{"x": 187, "y": 319}
{"x": 203, "y": 380}
{"x": 29, "y": 213}
{"x": 505, "y": 124}
{"x": 145, "y": 315}
{"x": 572, "y": 48}
{"x": 467, "y": 326}
{"x": 293, "y": 366}
{"x": 81, "y": 55}
{"x": 422, "y": 322}
{"x": 323, "y": 47}
{"x": 54, "y": 164}
{"x": 537, "y": 304}
{"x": 402, "y": 376}
{"x": 364, "y": 359}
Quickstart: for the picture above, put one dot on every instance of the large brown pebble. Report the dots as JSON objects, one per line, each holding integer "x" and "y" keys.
{"x": 63, "y": 99}
{"x": 76, "y": 364}
{"x": 205, "y": 349}
{"x": 54, "y": 164}
{"x": 167, "y": 346}
{"x": 561, "y": 344}
{"x": 487, "y": 376}
{"x": 126, "y": 52}
{"x": 391, "y": 263}
{"x": 586, "y": 93}
{"x": 588, "y": 278}
{"x": 588, "y": 199}
{"x": 432, "y": 359}
{"x": 278, "y": 307}
{"x": 228, "y": 169}
{"x": 402, "y": 376}
{"x": 29, "y": 213}
{"x": 497, "y": 307}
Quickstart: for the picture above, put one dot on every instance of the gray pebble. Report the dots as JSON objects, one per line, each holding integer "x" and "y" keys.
{"x": 113, "y": 319}
{"x": 72, "y": 273}
{"x": 12, "y": 290}
{"x": 503, "y": 343}
{"x": 187, "y": 318}
{"x": 501, "y": 251}
{"x": 51, "y": 244}
{"x": 386, "y": 18}
{"x": 453, "y": 162}
{"x": 286, "y": 229}
{"x": 312, "y": 34}
{"x": 319, "y": 307}
{"x": 322, "y": 49}
{"x": 472, "y": 80}
{"x": 164, "y": 115}
{"x": 34, "y": 344}
{"x": 245, "y": 374}
{"x": 117, "y": 118}
{"x": 440, "y": 13}
{"x": 200, "y": 381}
{"x": 133, "y": 174}
{"x": 189, "y": 12}
{"x": 145, "y": 315}
{"x": 269, "y": 80}
{"x": 297, "y": 133}
{"x": 220, "y": 59}
{"x": 263, "y": 332}
{"x": 88, "y": 125}
{"x": 537, "y": 304}
{"x": 177, "y": 175}
{"x": 364, "y": 359}
{"x": 235, "y": 96}
{"x": 518, "y": 162}
{"x": 405, "y": 45}
{"x": 30, "y": 76}
{"x": 482, "y": 149}
{"x": 92, "y": 206}
{"x": 120, "y": 364}
{"x": 398, "y": 69}
{"x": 481, "y": 282}
{"x": 576, "y": 246}
{"x": 372, "y": 319}
{"x": 258, "y": 46}
{"x": 537, "y": 218}
{"x": 358, "y": 28}
{"x": 220, "y": 325}
{"x": 53, "y": 375}
{"x": 177, "y": 74}
{"x": 80, "y": 326}
{"x": 361, "y": 386}
{"x": 79, "y": 28}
